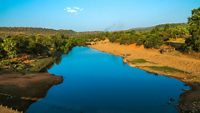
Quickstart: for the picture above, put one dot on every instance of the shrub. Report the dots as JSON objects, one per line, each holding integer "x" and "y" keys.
{"x": 141, "y": 40}
{"x": 9, "y": 45}
{"x": 153, "y": 41}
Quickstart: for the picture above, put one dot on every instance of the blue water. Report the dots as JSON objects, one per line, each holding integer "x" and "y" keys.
{"x": 97, "y": 82}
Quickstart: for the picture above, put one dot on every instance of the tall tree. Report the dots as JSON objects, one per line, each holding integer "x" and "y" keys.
{"x": 194, "y": 28}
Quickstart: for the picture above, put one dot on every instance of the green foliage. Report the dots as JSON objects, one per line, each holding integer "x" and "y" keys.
{"x": 9, "y": 45}
{"x": 177, "y": 32}
{"x": 168, "y": 31}
{"x": 124, "y": 37}
{"x": 36, "y": 51}
{"x": 152, "y": 37}
{"x": 41, "y": 64}
{"x": 21, "y": 43}
{"x": 128, "y": 38}
{"x": 141, "y": 40}
{"x": 153, "y": 41}
{"x": 6, "y": 62}
{"x": 16, "y": 66}
{"x": 40, "y": 45}
{"x": 20, "y": 68}
{"x": 194, "y": 28}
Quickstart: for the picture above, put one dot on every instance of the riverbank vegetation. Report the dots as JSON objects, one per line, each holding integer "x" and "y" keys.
{"x": 32, "y": 49}
{"x": 21, "y": 48}
{"x": 181, "y": 36}
{"x": 152, "y": 37}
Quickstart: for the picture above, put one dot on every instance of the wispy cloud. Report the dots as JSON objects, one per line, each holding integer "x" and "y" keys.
{"x": 115, "y": 27}
{"x": 73, "y": 10}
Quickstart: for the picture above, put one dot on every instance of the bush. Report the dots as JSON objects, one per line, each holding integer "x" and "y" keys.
{"x": 153, "y": 41}
{"x": 126, "y": 39}
{"x": 140, "y": 41}
{"x": 9, "y": 45}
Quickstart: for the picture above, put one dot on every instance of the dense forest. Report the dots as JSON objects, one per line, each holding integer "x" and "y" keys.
{"x": 24, "y": 49}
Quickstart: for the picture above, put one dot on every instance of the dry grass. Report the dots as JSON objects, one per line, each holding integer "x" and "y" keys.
{"x": 177, "y": 40}
{"x": 6, "y": 110}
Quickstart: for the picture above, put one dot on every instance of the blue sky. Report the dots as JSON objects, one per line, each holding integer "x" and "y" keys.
{"x": 91, "y": 15}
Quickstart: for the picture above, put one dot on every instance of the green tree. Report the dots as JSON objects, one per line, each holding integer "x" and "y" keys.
{"x": 178, "y": 32}
{"x": 141, "y": 40}
{"x": 21, "y": 43}
{"x": 153, "y": 41}
{"x": 9, "y": 45}
{"x": 194, "y": 29}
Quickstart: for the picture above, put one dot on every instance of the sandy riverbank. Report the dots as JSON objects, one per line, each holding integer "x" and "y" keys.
{"x": 19, "y": 91}
{"x": 6, "y": 110}
{"x": 175, "y": 64}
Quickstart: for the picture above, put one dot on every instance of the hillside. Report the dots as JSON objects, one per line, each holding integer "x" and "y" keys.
{"x": 29, "y": 31}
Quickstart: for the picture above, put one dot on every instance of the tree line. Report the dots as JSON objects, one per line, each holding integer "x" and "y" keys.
{"x": 26, "y": 53}
{"x": 40, "y": 41}
{"x": 154, "y": 37}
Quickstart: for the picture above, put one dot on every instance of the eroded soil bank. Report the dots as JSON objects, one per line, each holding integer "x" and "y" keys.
{"x": 19, "y": 91}
{"x": 175, "y": 64}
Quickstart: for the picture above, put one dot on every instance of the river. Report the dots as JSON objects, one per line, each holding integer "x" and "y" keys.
{"x": 98, "y": 82}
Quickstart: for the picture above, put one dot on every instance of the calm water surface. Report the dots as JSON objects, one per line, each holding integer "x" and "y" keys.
{"x": 97, "y": 82}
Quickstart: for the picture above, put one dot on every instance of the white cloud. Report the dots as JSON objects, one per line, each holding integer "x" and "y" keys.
{"x": 73, "y": 10}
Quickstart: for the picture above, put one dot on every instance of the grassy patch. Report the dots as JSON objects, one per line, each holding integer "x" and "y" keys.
{"x": 38, "y": 65}
{"x": 138, "y": 61}
{"x": 165, "y": 69}
{"x": 177, "y": 40}
{"x": 41, "y": 64}
{"x": 15, "y": 66}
